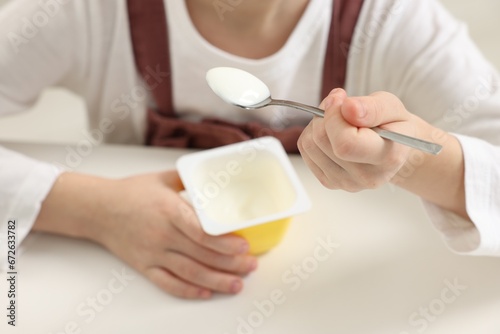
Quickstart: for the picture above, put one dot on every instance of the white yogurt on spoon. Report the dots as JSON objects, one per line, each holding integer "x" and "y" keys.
{"x": 237, "y": 87}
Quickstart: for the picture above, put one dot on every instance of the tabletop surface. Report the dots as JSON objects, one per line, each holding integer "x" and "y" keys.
{"x": 369, "y": 262}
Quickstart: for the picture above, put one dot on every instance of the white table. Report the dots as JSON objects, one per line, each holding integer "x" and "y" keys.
{"x": 389, "y": 273}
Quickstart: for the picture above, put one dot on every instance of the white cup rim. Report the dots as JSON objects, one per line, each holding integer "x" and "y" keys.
{"x": 187, "y": 164}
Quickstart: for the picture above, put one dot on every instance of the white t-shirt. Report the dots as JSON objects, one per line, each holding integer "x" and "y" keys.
{"x": 413, "y": 49}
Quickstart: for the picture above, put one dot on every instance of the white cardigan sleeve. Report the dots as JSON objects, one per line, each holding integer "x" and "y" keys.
{"x": 83, "y": 46}
{"x": 482, "y": 187}
{"x": 417, "y": 51}
{"x": 38, "y": 49}
{"x": 24, "y": 185}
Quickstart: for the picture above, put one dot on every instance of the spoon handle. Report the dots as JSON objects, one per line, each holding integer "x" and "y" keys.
{"x": 413, "y": 142}
{"x": 297, "y": 105}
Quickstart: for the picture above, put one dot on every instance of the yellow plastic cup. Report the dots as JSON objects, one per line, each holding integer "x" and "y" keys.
{"x": 249, "y": 189}
{"x": 264, "y": 237}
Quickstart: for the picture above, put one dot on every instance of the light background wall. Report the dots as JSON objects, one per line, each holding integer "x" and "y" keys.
{"x": 60, "y": 116}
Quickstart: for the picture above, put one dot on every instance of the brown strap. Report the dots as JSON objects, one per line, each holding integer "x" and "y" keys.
{"x": 150, "y": 40}
{"x": 344, "y": 18}
{"x": 149, "y": 33}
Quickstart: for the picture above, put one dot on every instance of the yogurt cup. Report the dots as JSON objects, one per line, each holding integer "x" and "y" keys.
{"x": 250, "y": 189}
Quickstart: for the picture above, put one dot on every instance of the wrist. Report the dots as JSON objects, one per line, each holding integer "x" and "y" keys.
{"x": 436, "y": 178}
{"x": 74, "y": 207}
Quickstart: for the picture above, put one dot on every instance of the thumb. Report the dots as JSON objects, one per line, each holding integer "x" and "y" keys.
{"x": 374, "y": 110}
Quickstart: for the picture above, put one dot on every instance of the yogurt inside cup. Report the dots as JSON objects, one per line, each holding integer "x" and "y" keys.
{"x": 233, "y": 190}
{"x": 249, "y": 188}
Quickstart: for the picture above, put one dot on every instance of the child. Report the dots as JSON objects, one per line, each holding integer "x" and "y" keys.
{"x": 144, "y": 85}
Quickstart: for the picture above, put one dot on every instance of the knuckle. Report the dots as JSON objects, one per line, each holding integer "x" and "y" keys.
{"x": 165, "y": 237}
{"x": 344, "y": 148}
{"x": 320, "y": 136}
{"x": 237, "y": 264}
{"x": 327, "y": 182}
{"x": 199, "y": 236}
{"x": 351, "y": 187}
{"x": 370, "y": 179}
{"x": 180, "y": 290}
{"x": 306, "y": 143}
{"x": 164, "y": 279}
{"x": 219, "y": 261}
{"x": 354, "y": 182}
{"x": 185, "y": 212}
{"x": 191, "y": 273}
{"x": 366, "y": 180}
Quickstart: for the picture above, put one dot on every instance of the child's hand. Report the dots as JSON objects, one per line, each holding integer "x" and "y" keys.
{"x": 158, "y": 233}
{"x": 341, "y": 149}
{"x": 144, "y": 221}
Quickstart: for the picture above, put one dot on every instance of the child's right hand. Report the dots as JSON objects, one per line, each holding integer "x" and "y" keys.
{"x": 144, "y": 221}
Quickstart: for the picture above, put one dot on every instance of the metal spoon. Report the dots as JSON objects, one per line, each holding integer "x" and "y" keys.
{"x": 246, "y": 91}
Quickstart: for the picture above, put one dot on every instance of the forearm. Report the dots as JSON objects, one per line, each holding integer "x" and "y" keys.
{"x": 73, "y": 207}
{"x": 437, "y": 179}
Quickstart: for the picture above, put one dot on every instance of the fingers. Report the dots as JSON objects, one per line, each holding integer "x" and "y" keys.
{"x": 321, "y": 164}
{"x": 341, "y": 149}
{"x": 185, "y": 277}
{"x": 194, "y": 262}
{"x": 345, "y": 131}
{"x": 175, "y": 286}
{"x": 377, "y": 109}
{"x": 160, "y": 236}
{"x": 236, "y": 264}
{"x": 226, "y": 252}
{"x": 187, "y": 222}
{"x": 338, "y": 140}
{"x": 335, "y": 94}
{"x": 344, "y": 140}
{"x": 349, "y": 143}
{"x": 188, "y": 269}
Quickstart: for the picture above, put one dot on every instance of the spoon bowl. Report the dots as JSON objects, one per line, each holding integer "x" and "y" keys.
{"x": 244, "y": 90}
